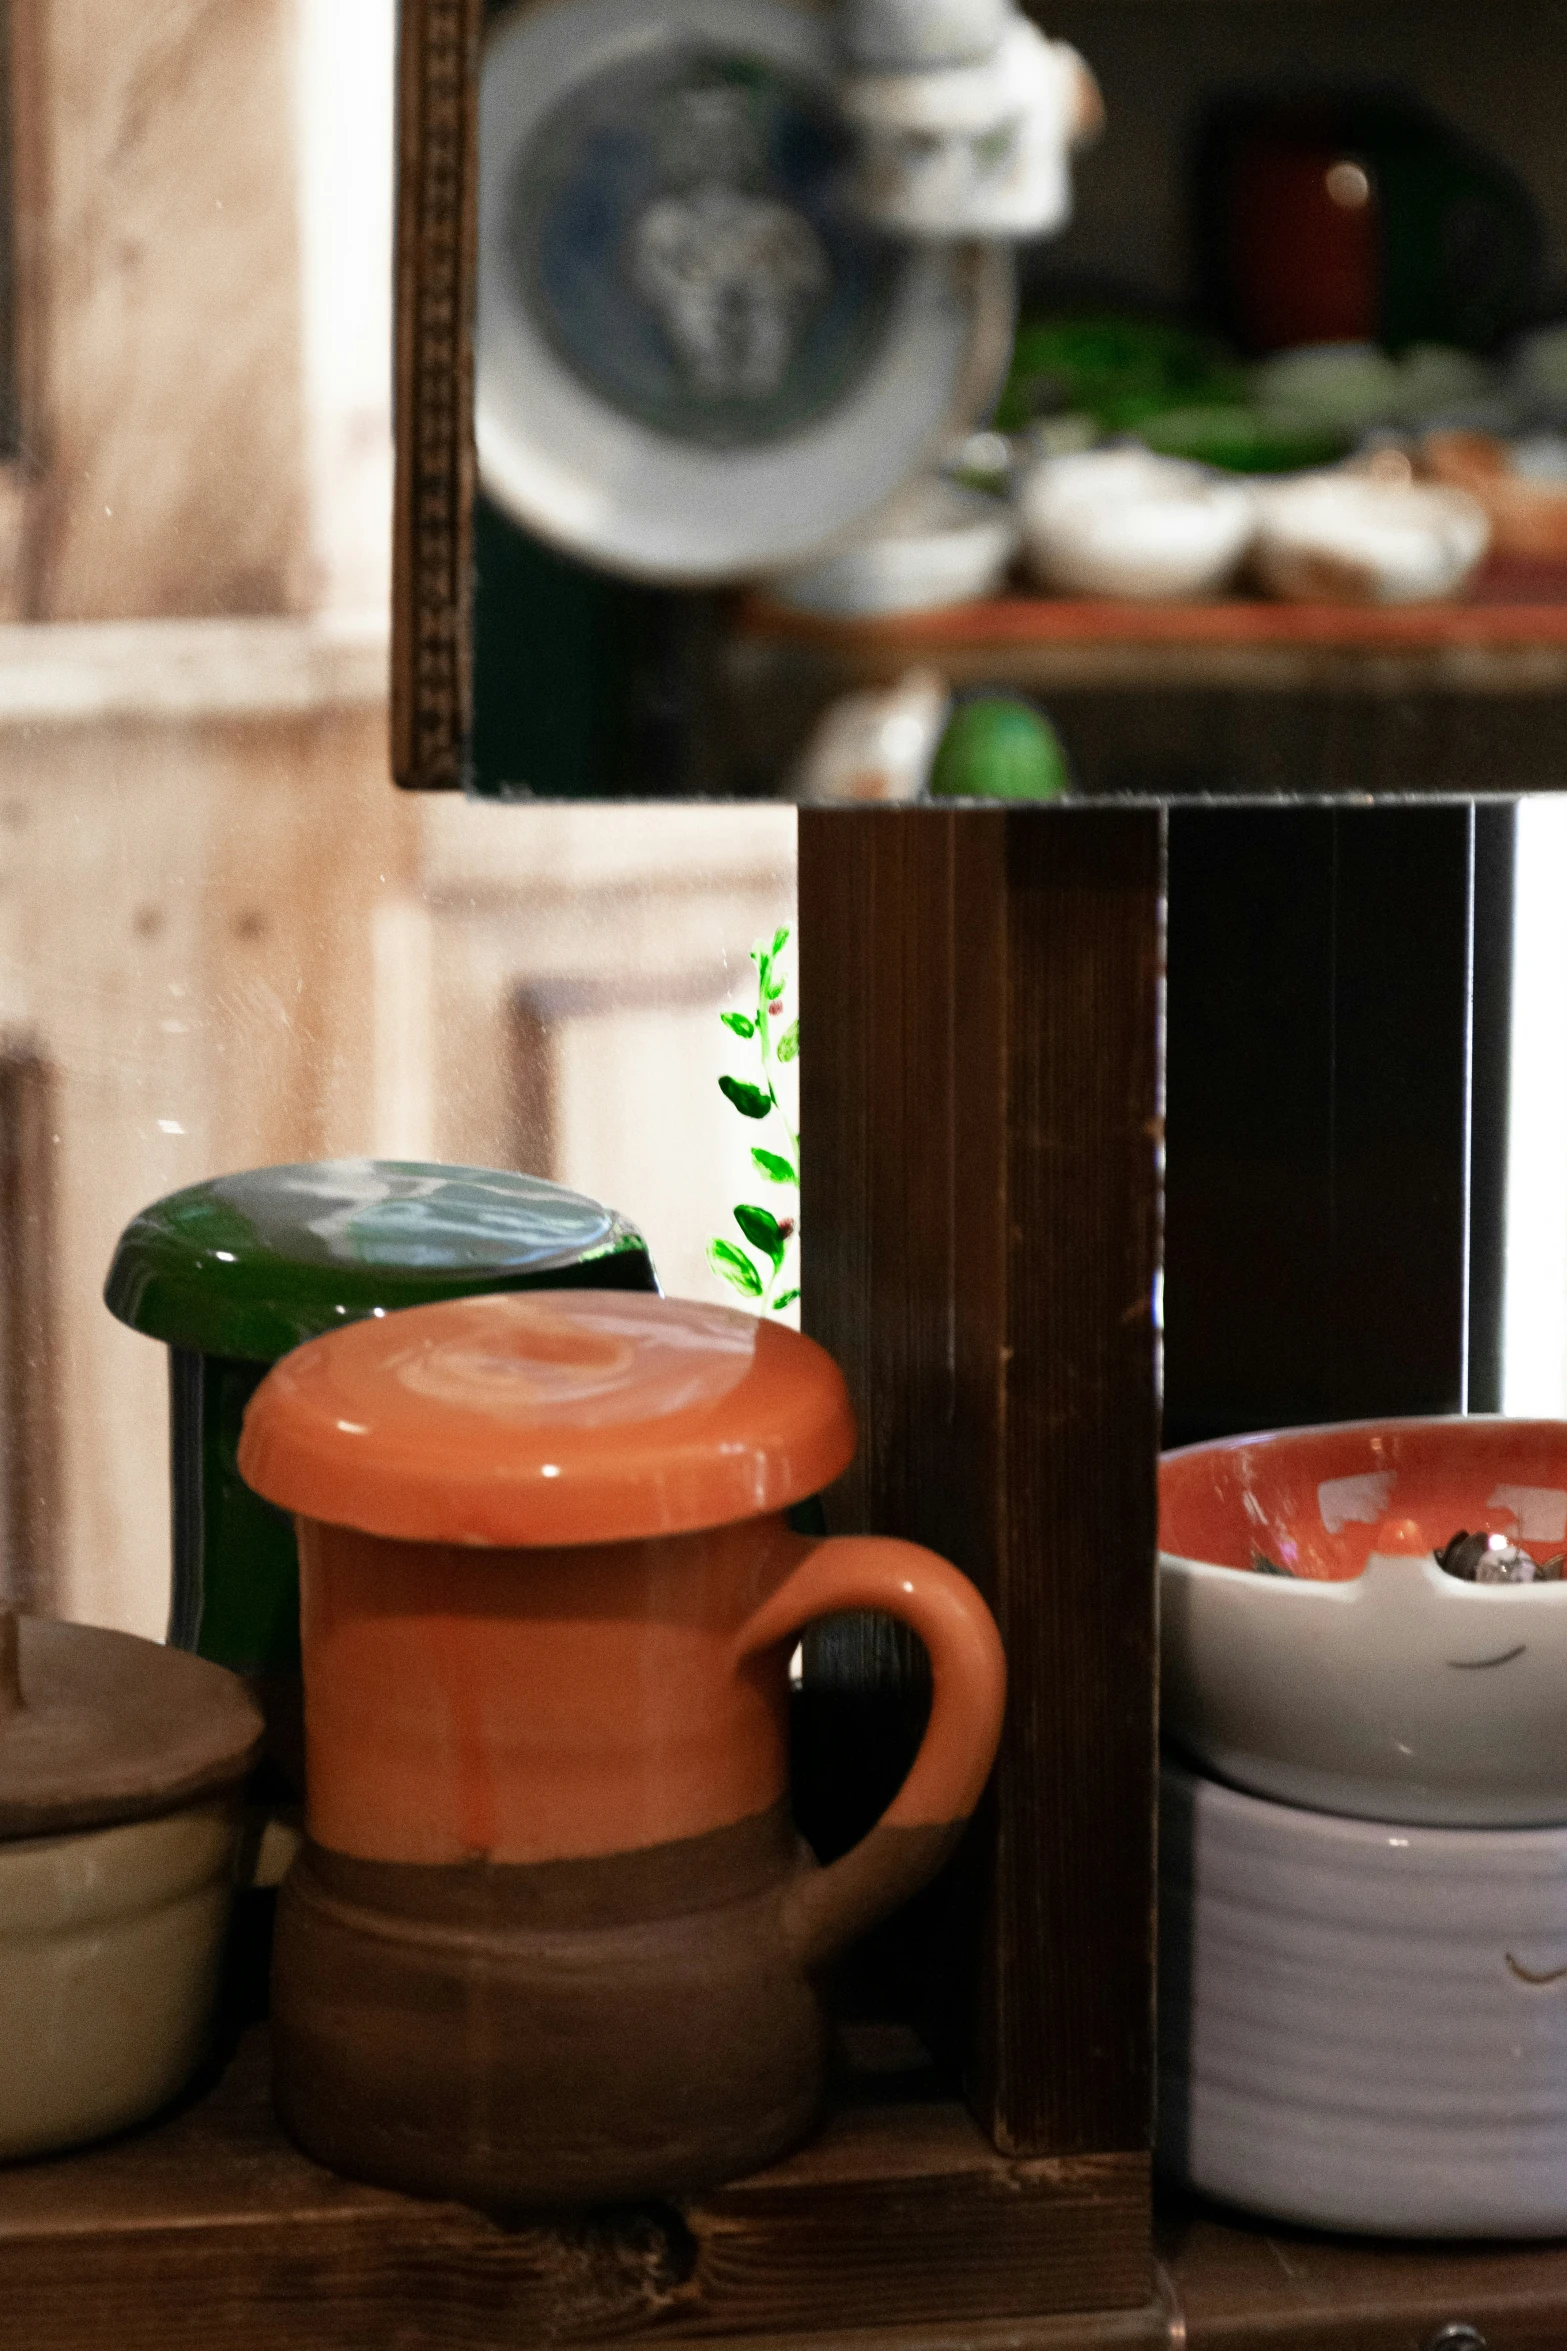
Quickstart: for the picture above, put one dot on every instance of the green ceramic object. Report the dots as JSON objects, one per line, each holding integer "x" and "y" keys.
{"x": 1245, "y": 440}
{"x": 996, "y": 748}
{"x": 233, "y": 1273}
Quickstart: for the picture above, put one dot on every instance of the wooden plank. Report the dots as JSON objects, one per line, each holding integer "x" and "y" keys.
{"x": 29, "y": 1393}
{"x": 432, "y": 519}
{"x": 1049, "y": 645}
{"x": 162, "y": 380}
{"x": 979, "y": 1102}
{"x": 1479, "y": 619}
{"x": 1247, "y": 2285}
{"x": 897, "y": 2226}
{"x": 1320, "y": 1192}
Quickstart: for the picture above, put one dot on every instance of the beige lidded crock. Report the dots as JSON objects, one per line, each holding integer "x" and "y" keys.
{"x": 120, "y": 1771}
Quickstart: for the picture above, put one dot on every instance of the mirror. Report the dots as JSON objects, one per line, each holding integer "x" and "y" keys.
{"x": 711, "y": 503}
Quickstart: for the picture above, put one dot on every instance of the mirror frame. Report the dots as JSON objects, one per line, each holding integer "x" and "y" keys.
{"x": 435, "y": 272}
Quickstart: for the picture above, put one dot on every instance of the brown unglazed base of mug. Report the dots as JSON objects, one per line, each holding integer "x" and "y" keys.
{"x": 564, "y": 2033}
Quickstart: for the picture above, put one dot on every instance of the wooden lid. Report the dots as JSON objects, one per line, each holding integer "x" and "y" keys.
{"x": 580, "y": 1416}
{"x": 97, "y": 1727}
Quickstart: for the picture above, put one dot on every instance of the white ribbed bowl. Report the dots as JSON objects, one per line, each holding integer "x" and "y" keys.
{"x": 1362, "y": 2026}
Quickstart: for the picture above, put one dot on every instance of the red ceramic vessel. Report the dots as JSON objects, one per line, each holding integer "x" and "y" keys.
{"x": 552, "y": 1937}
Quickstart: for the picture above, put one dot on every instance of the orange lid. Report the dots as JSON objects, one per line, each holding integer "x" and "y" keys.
{"x": 572, "y": 1416}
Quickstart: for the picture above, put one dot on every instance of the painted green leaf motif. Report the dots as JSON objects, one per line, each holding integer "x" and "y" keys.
{"x": 788, "y": 1044}
{"x": 739, "y": 1023}
{"x": 780, "y": 941}
{"x": 735, "y": 1267}
{"x": 762, "y": 1229}
{"x": 783, "y": 1299}
{"x": 750, "y": 1101}
{"x": 776, "y": 1168}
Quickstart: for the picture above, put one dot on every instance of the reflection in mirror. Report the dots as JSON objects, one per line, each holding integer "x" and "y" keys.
{"x": 755, "y": 442}
{"x": 225, "y": 941}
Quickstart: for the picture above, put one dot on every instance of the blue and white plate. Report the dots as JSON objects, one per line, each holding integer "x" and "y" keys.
{"x": 694, "y": 359}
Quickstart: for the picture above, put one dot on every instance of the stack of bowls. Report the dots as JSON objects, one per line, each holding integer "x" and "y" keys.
{"x": 1363, "y": 1935}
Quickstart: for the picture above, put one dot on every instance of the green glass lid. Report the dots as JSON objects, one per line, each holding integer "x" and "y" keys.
{"x": 253, "y": 1264}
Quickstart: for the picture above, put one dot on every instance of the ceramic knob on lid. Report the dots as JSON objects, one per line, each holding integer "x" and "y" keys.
{"x": 120, "y": 1767}
{"x": 232, "y": 1273}
{"x": 549, "y": 1593}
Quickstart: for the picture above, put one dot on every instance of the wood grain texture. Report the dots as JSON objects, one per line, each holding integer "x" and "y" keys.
{"x": 1245, "y": 2285}
{"x": 979, "y": 989}
{"x": 185, "y": 915}
{"x": 1318, "y": 1199}
{"x": 432, "y": 525}
{"x": 29, "y": 1390}
{"x": 898, "y": 2225}
{"x": 162, "y": 373}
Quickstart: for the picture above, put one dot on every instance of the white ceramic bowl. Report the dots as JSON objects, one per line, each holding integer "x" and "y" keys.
{"x": 1123, "y": 522}
{"x": 1369, "y": 1682}
{"x": 1363, "y": 2027}
{"x": 936, "y": 544}
{"x": 1347, "y": 538}
{"x": 111, "y": 1941}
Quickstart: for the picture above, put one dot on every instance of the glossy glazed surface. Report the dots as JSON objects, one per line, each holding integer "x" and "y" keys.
{"x": 552, "y": 1936}
{"x": 249, "y": 1265}
{"x": 1367, "y": 1681}
{"x": 1315, "y": 1499}
{"x": 531, "y": 1706}
{"x": 588, "y": 1417}
{"x": 1362, "y": 2026}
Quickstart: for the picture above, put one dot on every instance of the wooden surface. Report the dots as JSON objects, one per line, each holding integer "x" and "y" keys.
{"x": 896, "y": 2231}
{"x": 158, "y": 243}
{"x": 432, "y": 526}
{"x": 209, "y": 2232}
{"x": 1243, "y": 2285}
{"x": 29, "y": 1382}
{"x": 1510, "y": 635}
{"x": 979, "y": 1108}
{"x": 1327, "y": 1255}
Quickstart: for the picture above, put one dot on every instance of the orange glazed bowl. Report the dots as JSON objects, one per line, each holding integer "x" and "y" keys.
{"x": 1314, "y": 1649}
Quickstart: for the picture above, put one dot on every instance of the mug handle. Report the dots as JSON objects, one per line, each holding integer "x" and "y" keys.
{"x": 825, "y": 1909}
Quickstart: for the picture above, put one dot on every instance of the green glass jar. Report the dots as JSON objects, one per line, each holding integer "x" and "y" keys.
{"x": 233, "y": 1273}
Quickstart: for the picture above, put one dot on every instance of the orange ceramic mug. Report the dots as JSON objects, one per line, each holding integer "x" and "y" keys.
{"x": 552, "y": 1937}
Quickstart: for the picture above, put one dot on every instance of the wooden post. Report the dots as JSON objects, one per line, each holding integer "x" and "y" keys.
{"x": 29, "y": 1431}
{"x": 979, "y": 997}
{"x": 1338, "y": 1111}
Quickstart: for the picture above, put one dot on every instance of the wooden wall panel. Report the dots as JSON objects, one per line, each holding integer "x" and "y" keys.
{"x": 167, "y": 391}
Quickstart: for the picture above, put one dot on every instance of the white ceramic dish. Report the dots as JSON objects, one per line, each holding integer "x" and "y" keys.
{"x": 975, "y": 150}
{"x": 1348, "y": 538}
{"x": 1123, "y": 522}
{"x": 111, "y": 1942}
{"x": 763, "y": 372}
{"x": 1363, "y": 2027}
{"x": 1369, "y": 1682}
{"x": 936, "y": 544}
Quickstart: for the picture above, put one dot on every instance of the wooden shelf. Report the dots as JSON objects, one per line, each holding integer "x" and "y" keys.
{"x": 209, "y": 2231}
{"x": 897, "y": 2230}
{"x": 1246, "y": 2285}
{"x": 1508, "y": 636}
